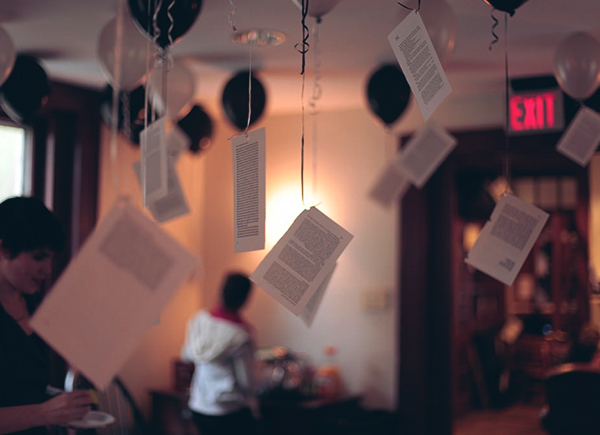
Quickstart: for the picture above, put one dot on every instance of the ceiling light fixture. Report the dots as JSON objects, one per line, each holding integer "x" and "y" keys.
{"x": 258, "y": 37}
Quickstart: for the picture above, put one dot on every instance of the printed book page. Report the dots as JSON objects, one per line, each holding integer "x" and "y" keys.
{"x": 425, "y": 152}
{"x": 312, "y": 307}
{"x": 249, "y": 154}
{"x": 111, "y": 293}
{"x": 174, "y": 204}
{"x": 581, "y": 139}
{"x": 391, "y": 185}
{"x": 506, "y": 239}
{"x": 299, "y": 262}
{"x": 154, "y": 161}
{"x": 420, "y": 63}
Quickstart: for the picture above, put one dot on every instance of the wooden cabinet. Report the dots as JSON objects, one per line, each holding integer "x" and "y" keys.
{"x": 171, "y": 415}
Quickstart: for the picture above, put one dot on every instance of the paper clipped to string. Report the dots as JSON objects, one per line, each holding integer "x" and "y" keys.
{"x": 300, "y": 261}
{"x": 112, "y": 292}
{"x": 582, "y": 137}
{"x": 154, "y": 161}
{"x": 507, "y": 238}
{"x": 248, "y": 152}
{"x": 173, "y": 204}
{"x": 420, "y": 63}
{"x": 425, "y": 152}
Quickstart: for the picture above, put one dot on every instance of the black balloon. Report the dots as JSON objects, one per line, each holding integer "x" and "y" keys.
{"x": 198, "y": 126}
{"x": 388, "y": 93}
{"x": 506, "y": 5}
{"x": 25, "y": 90}
{"x": 174, "y": 18}
{"x": 132, "y": 102}
{"x": 235, "y": 99}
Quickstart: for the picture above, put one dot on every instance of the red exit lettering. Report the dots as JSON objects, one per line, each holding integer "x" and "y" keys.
{"x": 533, "y": 112}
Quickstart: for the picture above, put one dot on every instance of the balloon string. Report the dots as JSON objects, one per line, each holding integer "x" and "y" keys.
{"x": 305, "y": 35}
{"x": 114, "y": 148}
{"x": 507, "y": 176}
{"x": 146, "y": 114}
{"x": 170, "y": 26}
{"x": 302, "y": 147}
{"x": 412, "y": 9}
{"x": 155, "y": 21}
{"x": 249, "y": 92}
{"x": 496, "y": 22}
{"x": 313, "y": 103}
{"x": 231, "y": 14}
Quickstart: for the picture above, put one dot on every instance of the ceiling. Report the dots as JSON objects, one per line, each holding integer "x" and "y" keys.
{"x": 353, "y": 43}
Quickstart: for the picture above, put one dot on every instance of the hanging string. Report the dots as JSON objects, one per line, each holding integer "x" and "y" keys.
{"x": 412, "y": 9}
{"x": 506, "y": 108}
{"x": 305, "y": 34}
{"x": 496, "y": 22}
{"x": 172, "y": 22}
{"x": 249, "y": 91}
{"x": 146, "y": 105}
{"x": 303, "y": 51}
{"x": 114, "y": 147}
{"x": 313, "y": 103}
{"x": 231, "y": 14}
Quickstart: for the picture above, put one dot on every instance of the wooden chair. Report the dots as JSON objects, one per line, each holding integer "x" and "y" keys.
{"x": 573, "y": 400}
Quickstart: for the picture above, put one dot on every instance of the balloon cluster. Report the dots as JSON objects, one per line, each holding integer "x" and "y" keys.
{"x": 163, "y": 26}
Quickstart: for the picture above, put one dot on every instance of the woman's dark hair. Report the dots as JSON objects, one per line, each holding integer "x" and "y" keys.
{"x": 236, "y": 288}
{"x": 26, "y": 224}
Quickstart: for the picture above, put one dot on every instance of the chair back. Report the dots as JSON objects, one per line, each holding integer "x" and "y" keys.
{"x": 573, "y": 398}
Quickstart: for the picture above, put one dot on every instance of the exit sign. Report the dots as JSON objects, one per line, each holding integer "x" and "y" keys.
{"x": 535, "y": 112}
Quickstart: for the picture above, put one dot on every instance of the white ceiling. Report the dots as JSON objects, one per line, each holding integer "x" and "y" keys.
{"x": 353, "y": 43}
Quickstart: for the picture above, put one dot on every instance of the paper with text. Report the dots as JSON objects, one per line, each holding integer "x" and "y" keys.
{"x": 420, "y": 63}
{"x": 582, "y": 137}
{"x": 299, "y": 262}
{"x": 154, "y": 161}
{"x": 177, "y": 142}
{"x": 249, "y": 154}
{"x": 172, "y": 205}
{"x": 112, "y": 292}
{"x": 506, "y": 239}
{"x": 425, "y": 152}
{"x": 311, "y": 308}
{"x": 391, "y": 185}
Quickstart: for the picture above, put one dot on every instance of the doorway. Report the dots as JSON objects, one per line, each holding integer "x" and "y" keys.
{"x": 450, "y": 314}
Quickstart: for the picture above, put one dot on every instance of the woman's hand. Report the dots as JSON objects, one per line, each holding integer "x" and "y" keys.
{"x": 66, "y": 407}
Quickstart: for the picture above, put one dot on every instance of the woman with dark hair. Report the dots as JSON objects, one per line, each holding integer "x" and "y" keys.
{"x": 219, "y": 344}
{"x": 30, "y": 235}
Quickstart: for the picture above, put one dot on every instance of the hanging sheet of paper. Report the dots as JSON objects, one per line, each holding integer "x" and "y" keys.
{"x": 172, "y": 205}
{"x": 311, "y": 308}
{"x": 391, "y": 185}
{"x": 249, "y": 154}
{"x": 177, "y": 142}
{"x": 299, "y": 262}
{"x": 154, "y": 161}
{"x": 506, "y": 239}
{"x": 425, "y": 152}
{"x": 112, "y": 292}
{"x": 420, "y": 63}
{"x": 582, "y": 137}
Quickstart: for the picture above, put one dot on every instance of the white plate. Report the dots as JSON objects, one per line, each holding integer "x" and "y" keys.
{"x": 92, "y": 420}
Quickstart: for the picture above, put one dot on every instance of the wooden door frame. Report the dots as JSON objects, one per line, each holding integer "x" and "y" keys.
{"x": 426, "y": 277}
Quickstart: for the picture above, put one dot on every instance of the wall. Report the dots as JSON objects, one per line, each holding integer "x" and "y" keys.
{"x": 352, "y": 148}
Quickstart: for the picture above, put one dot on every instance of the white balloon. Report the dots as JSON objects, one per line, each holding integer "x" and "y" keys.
{"x": 7, "y": 55}
{"x": 441, "y": 23}
{"x": 134, "y": 54}
{"x": 577, "y": 65}
{"x": 181, "y": 88}
{"x": 318, "y": 8}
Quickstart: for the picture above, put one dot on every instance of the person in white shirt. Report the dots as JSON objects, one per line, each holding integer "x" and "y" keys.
{"x": 219, "y": 343}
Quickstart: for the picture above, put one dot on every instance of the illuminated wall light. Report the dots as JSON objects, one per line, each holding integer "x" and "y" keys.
{"x": 283, "y": 206}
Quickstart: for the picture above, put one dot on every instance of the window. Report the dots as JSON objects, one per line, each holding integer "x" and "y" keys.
{"x": 12, "y": 161}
